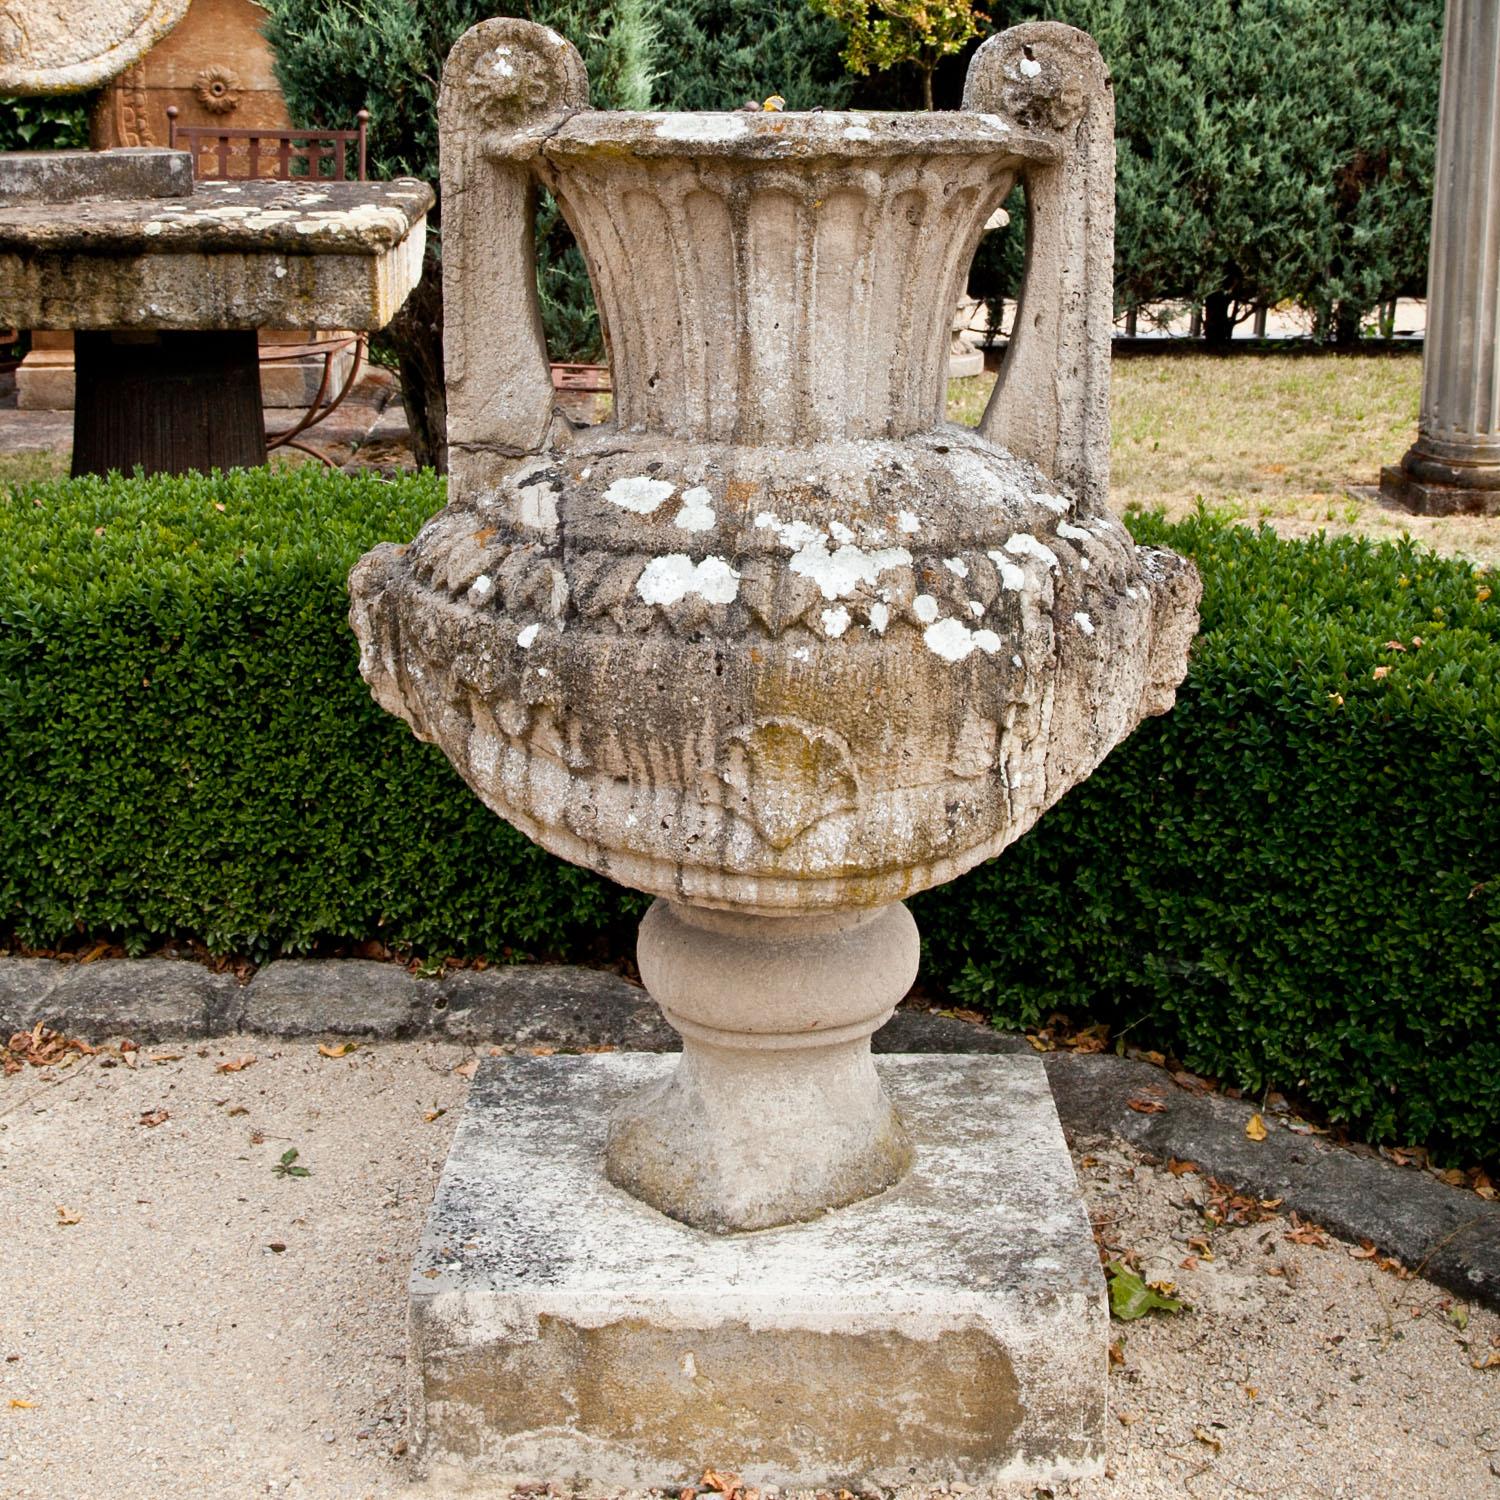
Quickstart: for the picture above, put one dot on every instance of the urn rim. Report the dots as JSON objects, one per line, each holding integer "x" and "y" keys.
{"x": 793, "y": 135}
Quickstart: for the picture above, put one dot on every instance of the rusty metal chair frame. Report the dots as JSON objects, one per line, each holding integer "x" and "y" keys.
{"x": 312, "y": 148}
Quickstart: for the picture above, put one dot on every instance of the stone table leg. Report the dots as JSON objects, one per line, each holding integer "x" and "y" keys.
{"x": 167, "y": 401}
{"x": 1454, "y": 465}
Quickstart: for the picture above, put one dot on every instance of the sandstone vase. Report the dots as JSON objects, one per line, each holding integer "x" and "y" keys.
{"x": 776, "y": 644}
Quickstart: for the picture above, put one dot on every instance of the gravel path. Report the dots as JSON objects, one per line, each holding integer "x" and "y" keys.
{"x": 207, "y": 1327}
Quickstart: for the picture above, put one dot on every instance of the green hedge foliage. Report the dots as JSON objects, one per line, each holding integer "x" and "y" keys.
{"x": 187, "y": 749}
{"x": 1291, "y": 880}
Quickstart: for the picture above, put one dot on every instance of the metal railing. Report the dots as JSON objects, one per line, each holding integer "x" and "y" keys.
{"x": 270, "y": 153}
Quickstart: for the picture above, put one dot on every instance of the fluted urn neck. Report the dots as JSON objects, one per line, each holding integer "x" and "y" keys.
{"x": 779, "y": 279}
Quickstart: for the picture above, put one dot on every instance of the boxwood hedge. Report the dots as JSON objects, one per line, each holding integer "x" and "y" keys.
{"x": 1291, "y": 880}
{"x": 187, "y": 749}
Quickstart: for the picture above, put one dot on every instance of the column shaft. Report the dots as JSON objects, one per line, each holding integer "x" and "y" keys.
{"x": 1454, "y": 465}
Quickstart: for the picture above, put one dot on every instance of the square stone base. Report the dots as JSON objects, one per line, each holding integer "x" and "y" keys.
{"x": 953, "y": 1328}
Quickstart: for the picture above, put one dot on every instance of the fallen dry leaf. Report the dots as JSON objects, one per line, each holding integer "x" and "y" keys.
{"x": 1255, "y": 1128}
{"x": 164, "y": 1057}
{"x": 67, "y": 1215}
{"x": 235, "y": 1064}
{"x": 153, "y": 1117}
{"x": 468, "y": 1068}
{"x": 1303, "y": 1233}
{"x": 339, "y": 1049}
{"x": 1180, "y": 1168}
{"x": 1146, "y": 1106}
{"x": 1207, "y": 1438}
{"x": 542, "y": 1051}
{"x": 433, "y": 1114}
{"x": 18, "y": 1405}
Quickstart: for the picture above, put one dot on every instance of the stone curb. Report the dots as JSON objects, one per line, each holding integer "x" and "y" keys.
{"x": 1448, "y": 1234}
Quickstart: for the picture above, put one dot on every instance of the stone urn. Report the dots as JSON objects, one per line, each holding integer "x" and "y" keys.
{"x": 777, "y": 644}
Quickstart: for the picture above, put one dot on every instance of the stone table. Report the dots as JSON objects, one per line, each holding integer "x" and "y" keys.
{"x": 165, "y": 282}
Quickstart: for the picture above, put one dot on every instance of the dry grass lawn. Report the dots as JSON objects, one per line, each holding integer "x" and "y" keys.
{"x": 1294, "y": 441}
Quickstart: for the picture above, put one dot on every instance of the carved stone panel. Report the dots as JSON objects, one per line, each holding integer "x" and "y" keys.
{"x": 215, "y": 66}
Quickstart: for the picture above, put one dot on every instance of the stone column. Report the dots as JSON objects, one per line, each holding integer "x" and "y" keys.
{"x": 1454, "y": 465}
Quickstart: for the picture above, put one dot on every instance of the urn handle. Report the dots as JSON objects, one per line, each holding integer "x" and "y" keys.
{"x": 1051, "y": 402}
{"x": 507, "y": 85}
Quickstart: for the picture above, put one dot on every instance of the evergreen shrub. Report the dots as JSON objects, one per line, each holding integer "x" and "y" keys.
{"x": 1293, "y": 879}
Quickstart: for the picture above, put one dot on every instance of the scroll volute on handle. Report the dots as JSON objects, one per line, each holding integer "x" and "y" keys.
{"x": 1051, "y": 402}
{"x": 506, "y": 86}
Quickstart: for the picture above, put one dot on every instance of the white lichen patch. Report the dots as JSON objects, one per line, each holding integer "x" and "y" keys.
{"x": 953, "y": 640}
{"x": 835, "y": 621}
{"x": 908, "y": 522}
{"x": 1072, "y": 533}
{"x": 536, "y": 497}
{"x": 975, "y": 608}
{"x": 703, "y": 128}
{"x": 1023, "y": 544}
{"x": 995, "y": 122}
{"x": 665, "y": 580}
{"x": 527, "y": 635}
{"x": 1055, "y": 503}
{"x": 880, "y": 617}
{"x": 925, "y": 608}
{"x": 1083, "y": 563}
{"x": 697, "y": 511}
{"x": 1030, "y": 67}
{"x": 858, "y": 133}
{"x": 791, "y": 534}
{"x": 1082, "y": 621}
{"x": 1012, "y": 575}
{"x": 837, "y": 573}
{"x": 639, "y": 494}
{"x": 154, "y": 227}
{"x": 839, "y": 532}
{"x": 481, "y": 588}
{"x": 957, "y": 566}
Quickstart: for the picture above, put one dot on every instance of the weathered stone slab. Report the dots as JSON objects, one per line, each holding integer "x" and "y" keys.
{"x": 24, "y": 986}
{"x": 1452, "y": 1237}
{"x": 146, "y": 999}
{"x": 231, "y": 255}
{"x": 558, "y": 1007}
{"x": 295, "y": 997}
{"x": 69, "y": 176}
{"x": 953, "y": 1328}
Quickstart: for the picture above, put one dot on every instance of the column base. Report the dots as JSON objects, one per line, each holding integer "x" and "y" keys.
{"x": 953, "y": 1329}
{"x": 1426, "y": 497}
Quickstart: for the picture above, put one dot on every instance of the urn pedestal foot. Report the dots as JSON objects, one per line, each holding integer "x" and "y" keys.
{"x": 775, "y": 1113}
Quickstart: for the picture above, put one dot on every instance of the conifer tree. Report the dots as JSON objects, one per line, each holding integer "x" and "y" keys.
{"x": 1267, "y": 150}
{"x": 335, "y": 57}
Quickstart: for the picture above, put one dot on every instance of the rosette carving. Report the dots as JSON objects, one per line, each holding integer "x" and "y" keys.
{"x": 514, "y": 74}
{"x": 218, "y": 89}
